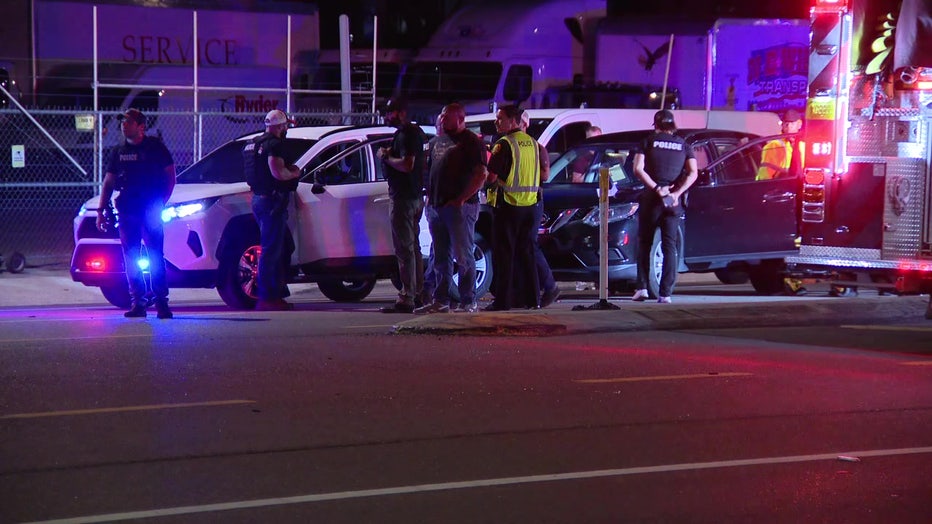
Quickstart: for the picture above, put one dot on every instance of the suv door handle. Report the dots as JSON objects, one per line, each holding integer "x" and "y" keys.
{"x": 778, "y": 197}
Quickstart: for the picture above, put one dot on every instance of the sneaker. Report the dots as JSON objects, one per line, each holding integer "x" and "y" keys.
{"x": 398, "y": 307}
{"x": 274, "y": 305}
{"x": 433, "y": 307}
{"x": 137, "y": 311}
{"x": 163, "y": 311}
{"x": 549, "y": 297}
{"x": 468, "y": 308}
{"x": 640, "y": 295}
{"x": 665, "y": 300}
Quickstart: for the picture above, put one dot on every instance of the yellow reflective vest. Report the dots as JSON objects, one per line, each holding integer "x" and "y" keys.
{"x": 776, "y": 158}
{"x": 523, "y": 182}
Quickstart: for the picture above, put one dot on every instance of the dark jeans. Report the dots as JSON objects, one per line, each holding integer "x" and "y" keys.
{"x": 453, "y": 230}
{"x": 652, "y": 215}
{"x": 137, "y": 227}
{"x": 271, "y": 212}
{"x": 405, "y": 217}
{"x": 514, "y": 239}
{"x": 544, "y": 274}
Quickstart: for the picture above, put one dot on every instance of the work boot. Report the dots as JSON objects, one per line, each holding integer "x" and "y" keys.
{"x": 274, "y": 305}
{"x": 137, "y": 311}
{"x": 162, "y": 310}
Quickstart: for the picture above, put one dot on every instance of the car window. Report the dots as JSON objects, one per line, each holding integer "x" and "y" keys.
{"x": 582, "y": 165}
{"x": 739, "y": 167}
{"x": 351, "y": 168}
{"x": 567, "y": 137}
{"x": 224, "y": 165}
{"x": 701, "y": 154}
{"x": 573, "y": 166}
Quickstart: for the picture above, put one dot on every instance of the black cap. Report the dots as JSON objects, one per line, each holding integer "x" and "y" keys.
{"x": 395, "y": 104}
{"x": 663, "y": 120}
{"x": 132, "y": 114}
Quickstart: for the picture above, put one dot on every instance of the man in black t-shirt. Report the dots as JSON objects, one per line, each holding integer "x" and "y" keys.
{"x": 143, "y": 171}
{"x": 457, "y": 171}
{"x": 404, "y": 171}
{"x": 272, "y": 179}
{"x": 658, "y": 163}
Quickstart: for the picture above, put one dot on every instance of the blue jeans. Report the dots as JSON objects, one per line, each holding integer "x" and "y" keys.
{"x": 271, "y": 212}
{"x": 405, "y": 217}
{"x": 453, "y": 230}
{"x": 137, "y": 227}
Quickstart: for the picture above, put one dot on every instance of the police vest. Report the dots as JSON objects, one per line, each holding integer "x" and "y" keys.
{"x": 256, "y": 167}
{"x": 523, "y": 182}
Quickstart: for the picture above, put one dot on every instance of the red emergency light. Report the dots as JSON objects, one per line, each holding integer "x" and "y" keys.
{"x": 97, "y": 264}
{"x": 833, "y": 5}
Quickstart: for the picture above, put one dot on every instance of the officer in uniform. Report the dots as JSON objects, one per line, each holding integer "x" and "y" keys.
{"x": 782, "y": 157}
{"x": 143, "y": 171}
{"x": 271, "y": 181}
{"x": 514, "y": 169}
{"x": 658, "y": 163}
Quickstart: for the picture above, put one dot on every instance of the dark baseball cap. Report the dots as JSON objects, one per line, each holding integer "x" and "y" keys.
{"x": 133, "y": 114}
{"x": 792, "y": 115}
{"x": 395, "y": 104}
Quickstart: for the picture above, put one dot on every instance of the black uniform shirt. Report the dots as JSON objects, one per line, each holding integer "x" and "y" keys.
{"x": 140, "y": 172}
{"x": 665, "y": 156}
{"x": 451, "y": 172}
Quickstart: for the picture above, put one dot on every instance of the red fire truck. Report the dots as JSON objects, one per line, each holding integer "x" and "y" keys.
{"x": 866, "y": 200}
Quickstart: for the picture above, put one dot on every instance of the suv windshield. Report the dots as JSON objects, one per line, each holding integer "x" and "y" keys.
{"x": 224, "y": 165}
{"x": 447, "y": 81}
{"x": 581, "y": 165}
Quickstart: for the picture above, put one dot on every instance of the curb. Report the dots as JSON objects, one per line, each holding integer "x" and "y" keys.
{"x": 647, "y": 318}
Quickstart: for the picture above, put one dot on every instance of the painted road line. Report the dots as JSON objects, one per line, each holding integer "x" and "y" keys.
{"x": 872, "y": 327}
{"x": 917, "y": 363}
{"x": 658, "y": 377}
{"x": 151, "y": 407}
{"x": 58, "y": 339}
{"x": 504, "y": 481}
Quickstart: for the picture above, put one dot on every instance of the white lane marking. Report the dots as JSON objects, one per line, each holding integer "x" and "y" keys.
{"x": 54, "y": 339}
{"x": 918, "y": 329}
{"x": 504, "y": 481}
{"x": 657, "y": 377}
{"x": 150, "y": 407}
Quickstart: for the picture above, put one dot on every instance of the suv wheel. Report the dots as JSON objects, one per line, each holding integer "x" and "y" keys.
{"x": 237, "y": 274}
{"x": 346, "y": 290}
{"x": 767, "y": 278}
{"x": 484, "y": 271}
{"x": 117, "y": 294}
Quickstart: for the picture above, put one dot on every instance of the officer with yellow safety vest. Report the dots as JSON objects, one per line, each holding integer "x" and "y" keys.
{"x": 514, "y": 175}
{"x": 782, "y": 157}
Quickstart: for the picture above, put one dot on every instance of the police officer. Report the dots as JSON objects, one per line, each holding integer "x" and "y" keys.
{"x": 143, "y": 171}
{"x": 514, "y": 168}
{"x": 271, "y": 181}
{"x": 658, "y": 163}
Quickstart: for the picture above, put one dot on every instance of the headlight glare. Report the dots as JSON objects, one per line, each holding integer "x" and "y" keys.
{"x": 616, "y": 212}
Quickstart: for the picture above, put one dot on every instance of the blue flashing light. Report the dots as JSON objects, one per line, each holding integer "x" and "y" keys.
{"x": 181, "y": 211}
{"x": 143, "y": 264}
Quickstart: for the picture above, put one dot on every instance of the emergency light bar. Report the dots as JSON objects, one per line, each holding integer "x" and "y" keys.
{"x": 830, "y": 5}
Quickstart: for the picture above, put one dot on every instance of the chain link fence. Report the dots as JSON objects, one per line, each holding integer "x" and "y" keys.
{"x": 53, "y": 162}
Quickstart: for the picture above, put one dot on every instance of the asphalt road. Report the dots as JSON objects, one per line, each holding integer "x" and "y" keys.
{"x": 321, "y": 415}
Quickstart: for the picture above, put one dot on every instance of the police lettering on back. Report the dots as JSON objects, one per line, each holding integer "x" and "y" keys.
{"x": 673, "y": 146}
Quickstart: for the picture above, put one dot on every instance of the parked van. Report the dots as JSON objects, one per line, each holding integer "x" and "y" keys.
{"x": 560, "y": 129}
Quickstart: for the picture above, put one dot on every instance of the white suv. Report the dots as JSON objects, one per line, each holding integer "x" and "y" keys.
{"x": 338, "y": 220}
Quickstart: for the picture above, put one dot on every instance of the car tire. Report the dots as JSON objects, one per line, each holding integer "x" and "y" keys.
{"x": 484, "y": 271}
{"x": 117, "y": 295}
{"x": 236, "y": 276}
{"x": 16, "y": 263}
{"x": 656, "y": 264}
{"x": 732, "y": 276}
{"x": 767, "y": 278}
{"x": 340, "y": 290}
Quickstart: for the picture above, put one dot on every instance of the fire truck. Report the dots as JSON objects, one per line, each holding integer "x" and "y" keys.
{"x": 865, "y": 201}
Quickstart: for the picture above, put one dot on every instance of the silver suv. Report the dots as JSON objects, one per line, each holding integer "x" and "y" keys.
{"x": 338, "y": 221}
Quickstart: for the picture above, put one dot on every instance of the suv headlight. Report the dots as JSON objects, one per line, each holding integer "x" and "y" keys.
{"x": 616, "y": 212}
{"x": 185, "y": 209}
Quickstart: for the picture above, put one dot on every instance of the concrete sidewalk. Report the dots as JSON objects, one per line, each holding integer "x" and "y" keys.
{"x": 651, "y": 316}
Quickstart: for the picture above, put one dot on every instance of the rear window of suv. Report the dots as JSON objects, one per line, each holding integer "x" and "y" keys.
{"x": 224, "y": 165}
